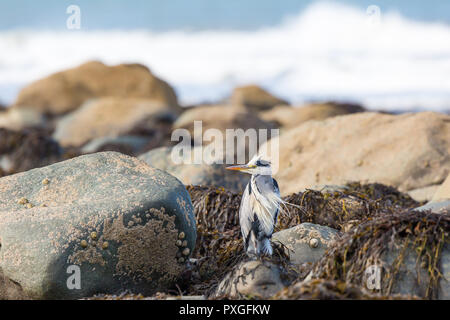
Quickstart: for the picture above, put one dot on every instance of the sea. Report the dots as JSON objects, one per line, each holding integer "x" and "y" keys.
{"x": 386, "y": 55}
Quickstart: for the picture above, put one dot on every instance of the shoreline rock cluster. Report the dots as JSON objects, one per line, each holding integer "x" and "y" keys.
{"x": 87, "y": 181}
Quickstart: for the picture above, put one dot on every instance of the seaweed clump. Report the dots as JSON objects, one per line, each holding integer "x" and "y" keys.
{"x": 219, "y": 247}
{"x": 345, "y": 207}
{"x": 30, "y": 148}
{"x": 322, "y": 289}
{"x": 386, "y": 241}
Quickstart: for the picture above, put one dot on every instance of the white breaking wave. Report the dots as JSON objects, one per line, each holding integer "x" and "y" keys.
{"x": 328, "y": 51}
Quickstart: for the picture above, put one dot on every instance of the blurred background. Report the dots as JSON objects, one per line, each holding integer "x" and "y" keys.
{"x": 385, "y": 55}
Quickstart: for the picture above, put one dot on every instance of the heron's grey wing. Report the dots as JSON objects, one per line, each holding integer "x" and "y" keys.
{"x": 276, "y": 189}
{"x": 268, "y": 188}
{"x": 246, "y": 214}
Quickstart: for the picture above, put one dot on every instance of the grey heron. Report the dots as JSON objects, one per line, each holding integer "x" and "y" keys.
{"x": 260, "y": 204}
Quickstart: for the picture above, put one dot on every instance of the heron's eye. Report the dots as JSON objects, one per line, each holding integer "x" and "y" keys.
{"x": 262, "y": 164}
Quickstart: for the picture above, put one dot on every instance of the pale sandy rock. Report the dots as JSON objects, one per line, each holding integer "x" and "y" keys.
{"x": 66, "y": 90}
{"x": 443, "y": 192}
{"x": 19, "y": 119}
{"x": 254, "y": 98}
{"x": 220, "y": 117}
{"x": 424, "y": 194}
{"x": 292, "y": 116}
{"x": 106, "y": 117}
{"x": 195, "y": 174}
{"x": 407, "y": 151}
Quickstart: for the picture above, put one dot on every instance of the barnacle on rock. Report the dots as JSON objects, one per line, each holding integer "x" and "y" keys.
{"x": 314, "y": 243}
{"x": 83, "y": 243}
{"x": 22, "y": 201}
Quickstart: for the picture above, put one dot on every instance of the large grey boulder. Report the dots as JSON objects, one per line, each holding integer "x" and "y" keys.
{"x": 306, "y": 242}
{"x": 125, "y": 224}
{"x": 196, "y": 174}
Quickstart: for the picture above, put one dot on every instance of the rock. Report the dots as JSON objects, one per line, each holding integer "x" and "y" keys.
{"x": 435, "y": 206}
{"x": 288, "y": 117}
{"x": 229, "y": 122}
{"x": 251, "y": 279}
{"x": 443, "y": 193}
{"x": 111, "y": 215}
{"x": 65, "y": 91}
{"x": 306, "y": 242}
{"x": 322, "y": 289}
{"x": 407, "y": 151}
{"x": 441, "y": 199}
{"x": 107, "y": 117}
{"x": 445, "y": 268}
{"x": 27, "y": 149}
{"x": 129, "y": 145}
{"x": 423, "y": 194}
{"x": 409, "y": 278}
{"x": 220, "y": 117}
{"x": 254, "y": 98}
{"x": 195, "y": 174}
{"x": 19, "y": 119}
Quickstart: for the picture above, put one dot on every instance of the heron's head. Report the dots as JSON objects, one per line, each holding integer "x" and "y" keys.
{"x": 255, "y": 166}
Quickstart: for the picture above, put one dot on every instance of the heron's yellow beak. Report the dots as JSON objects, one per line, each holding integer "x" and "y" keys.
{"x": 241, "y": 167}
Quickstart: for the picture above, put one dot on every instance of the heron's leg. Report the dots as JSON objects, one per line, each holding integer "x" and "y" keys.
{"x": 251, "y": 249}
{"x": 265, "y": 247}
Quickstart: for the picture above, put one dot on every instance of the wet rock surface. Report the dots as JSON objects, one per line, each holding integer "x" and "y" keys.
{"x": 127, "y": 226}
